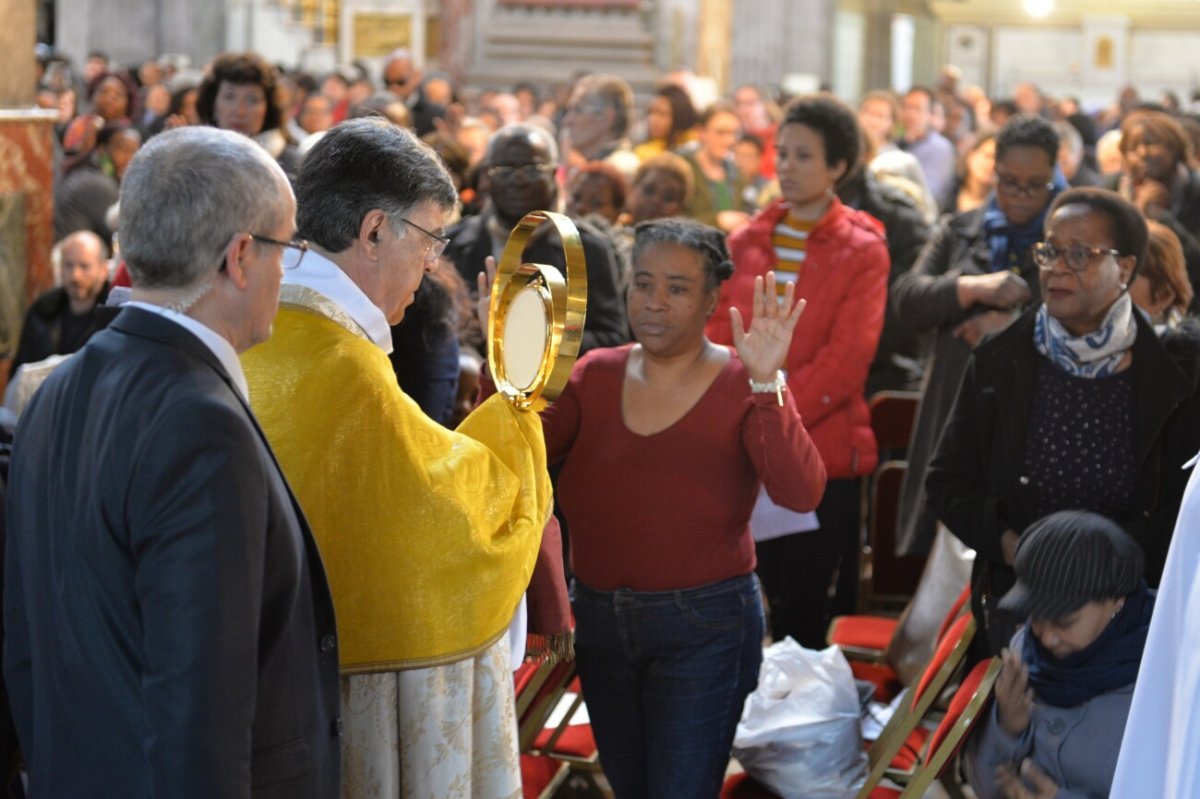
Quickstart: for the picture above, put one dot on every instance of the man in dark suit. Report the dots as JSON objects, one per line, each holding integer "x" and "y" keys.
{"x": 169, "y": 629}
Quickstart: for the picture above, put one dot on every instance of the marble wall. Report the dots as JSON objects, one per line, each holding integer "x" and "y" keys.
{"x": 26, "y": 218}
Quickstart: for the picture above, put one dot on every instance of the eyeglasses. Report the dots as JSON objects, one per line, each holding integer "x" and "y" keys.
{"x": 293, "y": 251}
{"x": 439, "y": 242}
{"x": 586, "y": 108}
{"x": 528, "y": 172}
{"x": 1077, "y": 256}
{"x": 1016, "y": 188}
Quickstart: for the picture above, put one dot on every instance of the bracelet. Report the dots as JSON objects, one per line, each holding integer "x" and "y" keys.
{"x": 775, "y": 387}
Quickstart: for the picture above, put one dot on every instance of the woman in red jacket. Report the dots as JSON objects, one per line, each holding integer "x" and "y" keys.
{"x": 838, "y": 259}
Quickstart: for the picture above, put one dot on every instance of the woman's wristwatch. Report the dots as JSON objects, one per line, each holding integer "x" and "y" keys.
{"x": 775, "y": 387}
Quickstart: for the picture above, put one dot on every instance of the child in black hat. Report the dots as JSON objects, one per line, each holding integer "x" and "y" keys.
{"x": 1063, "y": 694}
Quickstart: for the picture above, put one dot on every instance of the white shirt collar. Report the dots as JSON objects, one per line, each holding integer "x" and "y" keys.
{"x": 215, "y": 342}
{"x": 323, "y": 276}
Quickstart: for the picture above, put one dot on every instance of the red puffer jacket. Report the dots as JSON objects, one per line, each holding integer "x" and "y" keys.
{"x": 845, "y": 280}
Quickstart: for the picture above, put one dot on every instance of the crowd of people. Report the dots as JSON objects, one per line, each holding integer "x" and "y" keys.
{"x": 290, "y": 543}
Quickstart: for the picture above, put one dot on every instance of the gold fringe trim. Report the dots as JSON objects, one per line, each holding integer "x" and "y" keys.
{"x": 553, "y": 648}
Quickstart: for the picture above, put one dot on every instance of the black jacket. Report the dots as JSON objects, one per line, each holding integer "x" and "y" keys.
{"x": 42, "y": 333}
{"x": 977, "y": 482}
{"x": 925, "y": 300}
{"x": 899, "y": 348}
{"x": 169, "y": 628}
{"x": 605, "y": 325}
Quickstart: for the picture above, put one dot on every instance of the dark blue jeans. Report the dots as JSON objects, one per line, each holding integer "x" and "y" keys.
{"x": 665, "y": 675}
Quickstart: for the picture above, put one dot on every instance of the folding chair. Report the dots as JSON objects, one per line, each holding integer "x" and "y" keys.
{"x": 539, "y": 686}
{"x": 571, "y": 746}
{"x": 864, "y": 641}
{"x": 896, "y": 752}
{"x": 885, "y": 580}
{"x": 968, "y": 704}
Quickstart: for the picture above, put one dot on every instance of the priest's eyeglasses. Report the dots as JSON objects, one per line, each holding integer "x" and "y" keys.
{"x": 439, "y": 242}
{"x": 293, "y": 251}
{"x": 1077, "y": 256}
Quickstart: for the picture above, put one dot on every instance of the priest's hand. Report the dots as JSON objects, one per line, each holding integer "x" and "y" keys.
{"x": 765, "y": 345}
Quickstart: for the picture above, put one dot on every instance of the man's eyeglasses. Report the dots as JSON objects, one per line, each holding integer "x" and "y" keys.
{"x": 293, "y": 251}
{"x": 1016, "y": 188}
{"x": 528, "y": 172}
{"x": 1077, "y": 256}
{"x": 586, "y": 108}
{"x": 439, "y": 242}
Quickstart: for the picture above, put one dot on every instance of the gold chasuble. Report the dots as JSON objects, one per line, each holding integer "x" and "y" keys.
{"x": 428, "y": 535}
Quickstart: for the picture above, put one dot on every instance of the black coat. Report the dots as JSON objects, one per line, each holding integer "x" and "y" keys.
{"x": 42, "y": 332}
{"x": 925, "y": 300}
{"x": 977, "y": 482}
{"x": 169, "y": 628}
{"x": 605, "y": 325}
{"x": 899, "y": 352}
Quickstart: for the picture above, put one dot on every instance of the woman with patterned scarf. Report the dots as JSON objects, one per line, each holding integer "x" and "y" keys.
{"x": 1063, "y": 694}
{"x": 974, "y": 276}
{"x": 1077, "y": 405}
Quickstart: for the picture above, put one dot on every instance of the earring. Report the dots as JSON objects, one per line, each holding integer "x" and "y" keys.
{"x": 1124, "y": 287}
{"x": 829, "y": 192}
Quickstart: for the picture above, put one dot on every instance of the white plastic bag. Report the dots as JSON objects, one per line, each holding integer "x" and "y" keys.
{"x": 800, "y": 734}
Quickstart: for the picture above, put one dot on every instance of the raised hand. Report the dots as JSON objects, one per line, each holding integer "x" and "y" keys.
{"x": 484, "y": 299}
{"x": 765, "y": 345}
{"x": 1014, "y": 697}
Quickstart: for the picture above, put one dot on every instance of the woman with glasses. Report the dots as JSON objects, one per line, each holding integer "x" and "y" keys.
{"x": 1077, "y": 405}
{"x": 974, "y": 277}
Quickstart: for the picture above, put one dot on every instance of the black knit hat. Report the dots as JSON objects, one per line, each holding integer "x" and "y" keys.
{"x": 1068, "y": 559}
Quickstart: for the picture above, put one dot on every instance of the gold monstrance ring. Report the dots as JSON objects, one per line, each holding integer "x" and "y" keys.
{"x": 535, "y": 317}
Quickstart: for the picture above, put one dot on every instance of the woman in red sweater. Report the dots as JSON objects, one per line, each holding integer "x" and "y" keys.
{"x": 837, "y": 259}
{"x": 664, "y": 443}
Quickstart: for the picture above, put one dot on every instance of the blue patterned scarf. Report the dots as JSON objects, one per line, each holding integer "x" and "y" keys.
{"x": 1096, "y": 354}
{"x": 1009, "y": 244}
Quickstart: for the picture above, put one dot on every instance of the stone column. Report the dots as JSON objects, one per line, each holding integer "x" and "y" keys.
{"x": 877, "y": 45}
{"x": 26, "y": 177}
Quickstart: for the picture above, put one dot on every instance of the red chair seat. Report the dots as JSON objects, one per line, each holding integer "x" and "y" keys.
{"x": 863, "y": 632}
{"x": 538, "y": 772}
{"x": 881, "y": 675}
{"x": 576, "y": 741}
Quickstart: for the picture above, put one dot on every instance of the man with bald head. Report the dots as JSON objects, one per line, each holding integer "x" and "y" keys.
{"x": 168, "y": 628}
{"x": 64, "y": 318}
{"x": 520, "y": 166}
{"x": 401, "y": 75}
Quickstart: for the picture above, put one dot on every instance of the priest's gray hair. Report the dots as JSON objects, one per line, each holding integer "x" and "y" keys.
{"x": 185, "y": 195}
{"x": 362, "y": 165}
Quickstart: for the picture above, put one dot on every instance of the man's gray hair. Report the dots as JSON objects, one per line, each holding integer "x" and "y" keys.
{"x": 362, "y": 165}
{"x": 184, "y": 196}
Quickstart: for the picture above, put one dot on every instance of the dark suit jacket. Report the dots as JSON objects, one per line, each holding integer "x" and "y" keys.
{"x": 169, "y": 628}
{"x": 605, "y": 325}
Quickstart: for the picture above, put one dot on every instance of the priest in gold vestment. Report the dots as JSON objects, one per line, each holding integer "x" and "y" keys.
{"x": 429, "y": 536}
